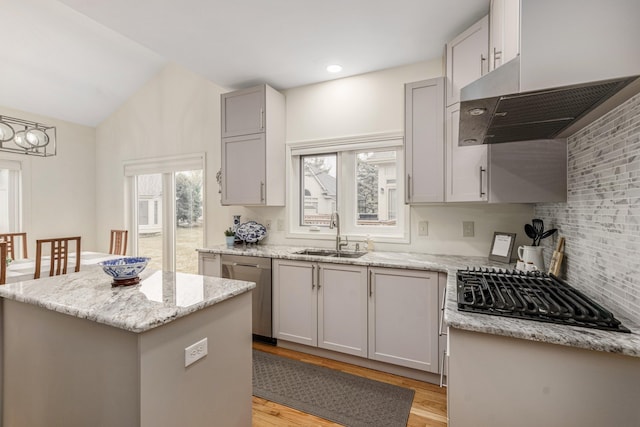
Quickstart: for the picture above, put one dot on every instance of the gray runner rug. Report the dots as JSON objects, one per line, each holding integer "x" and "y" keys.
{"x": 336, "y": 396}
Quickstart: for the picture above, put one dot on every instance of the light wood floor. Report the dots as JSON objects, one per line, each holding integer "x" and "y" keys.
{"x": 429, "y": 403}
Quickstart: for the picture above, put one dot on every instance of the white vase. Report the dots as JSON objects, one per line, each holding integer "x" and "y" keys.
{"x": 532, "y": 255}
{"x": 230, "y": 241}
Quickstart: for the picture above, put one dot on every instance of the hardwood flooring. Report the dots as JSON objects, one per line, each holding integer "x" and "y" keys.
{"x": 429, "y": 403}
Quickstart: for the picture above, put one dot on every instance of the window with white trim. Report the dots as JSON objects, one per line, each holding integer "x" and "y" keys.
{"x": 10, "y": 196}
{"x": 358, "y": 178}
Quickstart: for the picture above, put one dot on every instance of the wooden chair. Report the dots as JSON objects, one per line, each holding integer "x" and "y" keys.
{"x": 118, "y": 245}
{"x": 59, "y": 255}
{"x": 3, "y": 262}
{"x": 10, "y": 238}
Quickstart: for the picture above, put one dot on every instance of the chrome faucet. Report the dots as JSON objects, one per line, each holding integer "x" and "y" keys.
{"x": 334, "y": 221}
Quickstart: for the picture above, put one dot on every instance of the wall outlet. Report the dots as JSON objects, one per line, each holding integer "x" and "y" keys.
{"x": 423, "y": 228}
{"x": 468, "y": 229}
{"x": 281, "y": 225}
{"x": 267, "y": 224}
{"x": 195, "y": 352}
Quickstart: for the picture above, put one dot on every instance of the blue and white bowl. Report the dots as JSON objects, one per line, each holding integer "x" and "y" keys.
{"x": 124, "y": 268}
{"x": 251, "y": 232}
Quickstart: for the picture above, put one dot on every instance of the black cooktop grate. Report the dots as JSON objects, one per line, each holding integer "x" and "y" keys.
{"x": 533, "y": 295}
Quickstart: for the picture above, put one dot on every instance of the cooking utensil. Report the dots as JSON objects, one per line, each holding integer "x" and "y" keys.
{"x": 538, "y": 227}
{"x": 530, "y": 232}
{"x": 556, "y": 259}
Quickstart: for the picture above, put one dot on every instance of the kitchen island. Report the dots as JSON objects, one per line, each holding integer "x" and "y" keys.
{"x": 77, "y": 351}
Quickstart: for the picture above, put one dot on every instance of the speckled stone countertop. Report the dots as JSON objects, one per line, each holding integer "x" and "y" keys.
{"x": 160, "y": 298}
{"x": 591, "y": 339}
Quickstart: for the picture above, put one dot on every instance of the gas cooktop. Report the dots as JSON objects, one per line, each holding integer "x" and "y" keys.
{"x": 533, "y": 295}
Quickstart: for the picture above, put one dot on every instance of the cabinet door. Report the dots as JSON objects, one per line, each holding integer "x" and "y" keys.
{"x": 295, "y": 299}
{"x": 467, "y": 58}
{"x": 209, "y": 265}
{"x": 504, "y": 36}
{"x": 243, "y": 111}
{"x": 424, "y": 141}
{"x": 342, "y": 308}
{"x": 403, "y": 318}
{"x": 243, "y": 170}
{"x": 466, "y": 167}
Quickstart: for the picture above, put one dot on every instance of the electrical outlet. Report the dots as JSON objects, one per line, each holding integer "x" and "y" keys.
{"x": 267, "y": 224}
{"x": 195, "y": 352}
{"x": 423, "y": 228}
{"x": 468, "y": 229}
{"x": 281, "y": 225}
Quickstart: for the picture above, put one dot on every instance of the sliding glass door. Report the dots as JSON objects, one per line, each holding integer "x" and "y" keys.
{"x": 149, "y": 225}
{"x": 167, "y": 212}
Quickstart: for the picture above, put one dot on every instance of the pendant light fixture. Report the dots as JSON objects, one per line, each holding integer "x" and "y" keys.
{"x": 27, "y": 137}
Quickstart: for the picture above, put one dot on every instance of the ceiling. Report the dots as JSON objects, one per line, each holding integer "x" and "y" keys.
{"x": 79, "y": 60}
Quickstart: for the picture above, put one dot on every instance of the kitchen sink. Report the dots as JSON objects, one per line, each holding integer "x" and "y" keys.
{"x": 331, "y": 253}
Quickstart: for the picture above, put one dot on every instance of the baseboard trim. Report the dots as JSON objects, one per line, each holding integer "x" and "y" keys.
{"x": 365, "y": 363}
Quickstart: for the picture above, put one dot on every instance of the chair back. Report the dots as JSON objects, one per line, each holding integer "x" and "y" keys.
{"x": 3, "y": 263}
{"x": 10, "y": 238}
{"x": 59, "y": 252}
{"x": 118, "y": 245}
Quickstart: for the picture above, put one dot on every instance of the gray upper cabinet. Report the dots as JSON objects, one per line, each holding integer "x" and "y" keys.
{"x": 253, "y": 147}
{"x": 504, "y": 35}
{"x": 424, "y": 141}
{"x": 465, "y": 167}
{"x": 243, "y": 111}
{"x": 467, "y": 58}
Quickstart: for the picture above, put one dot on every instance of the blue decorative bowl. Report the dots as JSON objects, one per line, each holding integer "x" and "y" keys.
{"x": 124, "y": 271}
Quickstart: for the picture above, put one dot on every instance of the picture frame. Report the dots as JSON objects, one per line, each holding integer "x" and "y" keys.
{"x": 502, "y": 246}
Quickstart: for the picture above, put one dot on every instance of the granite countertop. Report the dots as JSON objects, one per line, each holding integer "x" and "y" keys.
{"x": 591, "y": 339}
{"x": 160, "y": 298}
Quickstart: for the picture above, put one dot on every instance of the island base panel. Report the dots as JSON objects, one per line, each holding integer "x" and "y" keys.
{"x": 62, "y": 370}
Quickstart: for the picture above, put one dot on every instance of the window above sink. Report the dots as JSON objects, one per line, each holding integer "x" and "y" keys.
{"x": 361, "y": 178}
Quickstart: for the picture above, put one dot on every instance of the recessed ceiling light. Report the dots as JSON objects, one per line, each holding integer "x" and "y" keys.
{"x": 334, "y": 68}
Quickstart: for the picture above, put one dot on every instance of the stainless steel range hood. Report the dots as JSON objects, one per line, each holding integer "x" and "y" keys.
{"x": 493, "y": 110}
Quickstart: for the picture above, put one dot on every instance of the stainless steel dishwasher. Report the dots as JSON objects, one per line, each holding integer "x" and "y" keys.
{"x": 258, "y": 270}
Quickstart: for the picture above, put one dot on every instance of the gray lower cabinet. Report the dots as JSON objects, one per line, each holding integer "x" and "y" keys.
{"x": 385, "y": 314}
{"x": 209, "y": 264}
{"x": 321, "y": 305}
{"x": 403, "y": 318}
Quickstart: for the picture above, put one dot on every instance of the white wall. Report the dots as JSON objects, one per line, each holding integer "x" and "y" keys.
{"x": 177, "y": 112}
{"x": 59, "y": 197}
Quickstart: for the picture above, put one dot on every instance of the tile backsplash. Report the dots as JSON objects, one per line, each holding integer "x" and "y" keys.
{"x": 601, "y": 219}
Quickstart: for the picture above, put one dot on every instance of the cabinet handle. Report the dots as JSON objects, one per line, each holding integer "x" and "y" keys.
{"x": 444, "y": 299}
{"x": 262, "y": 117}
{"x": 482, "y": 192}
{"x": 497, "y": 54}
{"x": 313, "y": 276}
{"x": 408, "y": 186}
{"x": 444, "y": 357}
{"x": 261, "y": 191}
{"x": 482, "y": 59}
{"x": 318, "y": 277}
{"x": 370, "y": 283}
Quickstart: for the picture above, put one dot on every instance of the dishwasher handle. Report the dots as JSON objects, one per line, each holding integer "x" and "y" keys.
{"x": 240, "y": 264}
